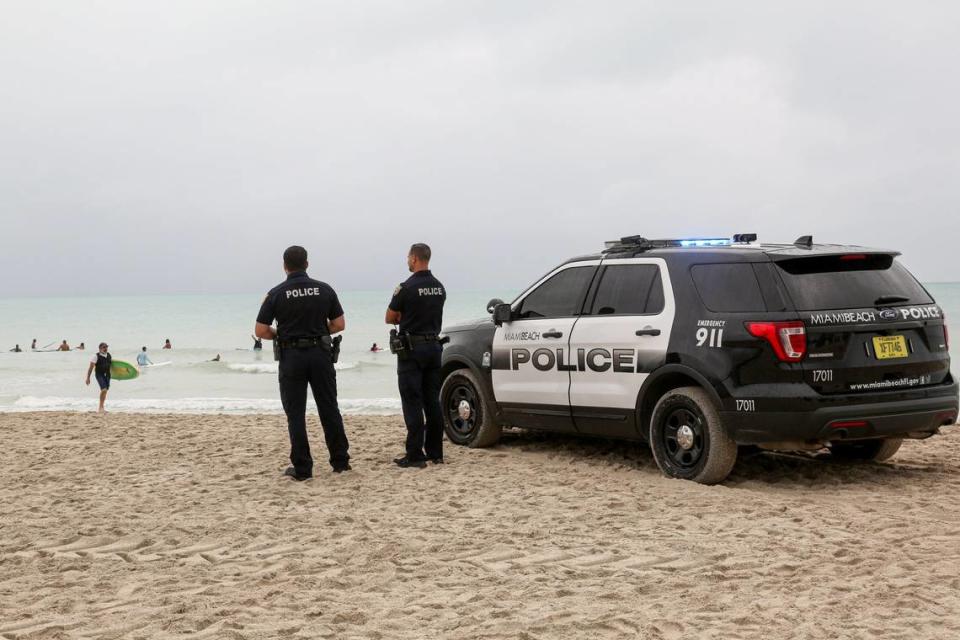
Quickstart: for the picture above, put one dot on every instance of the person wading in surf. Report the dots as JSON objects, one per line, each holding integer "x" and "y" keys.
{"x": 100, "y": 364}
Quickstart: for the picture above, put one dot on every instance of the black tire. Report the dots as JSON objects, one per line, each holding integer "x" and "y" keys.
{"x": 866, "y": 450}
{"x": 703, "y": 452}
{"x": 480, "y": 429}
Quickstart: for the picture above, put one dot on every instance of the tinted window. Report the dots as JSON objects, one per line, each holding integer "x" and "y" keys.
{"x": 850, "y": 282}
{"x": 629, "y": 289}
{"x": 728, "y": 288}
{"x": 559, "y": 296}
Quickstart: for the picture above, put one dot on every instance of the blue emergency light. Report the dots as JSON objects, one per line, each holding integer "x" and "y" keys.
{"x": 705, "y": 242}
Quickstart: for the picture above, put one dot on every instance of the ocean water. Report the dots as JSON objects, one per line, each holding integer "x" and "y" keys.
{"x": 200, "y": 327}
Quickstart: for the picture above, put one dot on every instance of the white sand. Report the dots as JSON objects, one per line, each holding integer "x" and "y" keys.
{"x": 133, "y": 526}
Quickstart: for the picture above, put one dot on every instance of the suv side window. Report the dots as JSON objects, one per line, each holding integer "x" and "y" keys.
{"x": 629, "y": 289}
{"x": 728, "y": 288}
{"x": 558, "y": 297}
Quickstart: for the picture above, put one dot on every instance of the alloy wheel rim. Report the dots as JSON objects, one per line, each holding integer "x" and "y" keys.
{"x": 460, "y": 395}
{"x": 684, "y": 437}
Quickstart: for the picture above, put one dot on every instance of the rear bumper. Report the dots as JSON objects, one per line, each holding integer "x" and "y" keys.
{"x": 810, "y": 417}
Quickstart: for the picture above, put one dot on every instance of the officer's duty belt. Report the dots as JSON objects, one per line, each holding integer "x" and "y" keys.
{"x": 307, "y": 343}
{"x": 422, "y": 338}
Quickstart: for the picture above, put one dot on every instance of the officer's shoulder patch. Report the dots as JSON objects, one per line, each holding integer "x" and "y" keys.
{"x": 398, "y": 289}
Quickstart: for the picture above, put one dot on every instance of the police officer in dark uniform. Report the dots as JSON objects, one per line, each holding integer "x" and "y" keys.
{"x": 417, "y": 306}
{"x": 307, "y": 312}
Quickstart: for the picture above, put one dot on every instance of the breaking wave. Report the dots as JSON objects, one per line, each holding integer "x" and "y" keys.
{"x": 273, "y": 367}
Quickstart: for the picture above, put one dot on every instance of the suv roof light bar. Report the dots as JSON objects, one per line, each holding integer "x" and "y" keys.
{"x": 639, "y": 243}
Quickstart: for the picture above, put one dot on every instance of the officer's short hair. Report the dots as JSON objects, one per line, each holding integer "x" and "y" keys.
{"x": 420, "y": 251}
{"x": 295, "y": 258}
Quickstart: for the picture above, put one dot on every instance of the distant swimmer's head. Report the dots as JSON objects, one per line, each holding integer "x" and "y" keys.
{"x": 144, "y": 349}
{"x": 295, "y": 259}
{"x": 419, "y": 257}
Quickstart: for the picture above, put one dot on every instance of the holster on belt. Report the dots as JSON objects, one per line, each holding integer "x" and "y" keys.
{"x": 335, "y": 348}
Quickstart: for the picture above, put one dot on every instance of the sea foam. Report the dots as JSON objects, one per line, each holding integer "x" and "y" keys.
{"x": 273, "y": 367}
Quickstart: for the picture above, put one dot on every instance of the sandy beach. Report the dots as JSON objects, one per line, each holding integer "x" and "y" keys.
{"x": 146, "y": 526}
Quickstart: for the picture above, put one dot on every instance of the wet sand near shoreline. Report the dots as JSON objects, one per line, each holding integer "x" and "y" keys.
{"x": 163, "y": 526}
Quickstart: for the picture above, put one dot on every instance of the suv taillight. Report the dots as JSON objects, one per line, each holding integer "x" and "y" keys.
{"x": 788, "y": 339}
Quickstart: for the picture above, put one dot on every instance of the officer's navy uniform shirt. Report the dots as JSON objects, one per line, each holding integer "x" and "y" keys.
{"x": 420, "y": 303}
{"x": 301, "y": 306}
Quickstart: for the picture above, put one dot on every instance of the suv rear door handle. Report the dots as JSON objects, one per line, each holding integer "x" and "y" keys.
{"x": 648, "y": 332}
{"x": 553, "y": 333}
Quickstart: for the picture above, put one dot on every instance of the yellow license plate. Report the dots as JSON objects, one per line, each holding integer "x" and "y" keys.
{"x": 890, "y": 347}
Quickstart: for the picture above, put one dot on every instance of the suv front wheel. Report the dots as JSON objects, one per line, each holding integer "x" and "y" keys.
{"x": 688, "y": 439}
{"x": 467, "y": 411}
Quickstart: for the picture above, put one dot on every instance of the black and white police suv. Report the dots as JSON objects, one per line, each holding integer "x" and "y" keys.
{"x": 698, "y": 346}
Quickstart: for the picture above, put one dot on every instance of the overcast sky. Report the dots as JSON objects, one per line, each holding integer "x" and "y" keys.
{"x": 180, "y": 146}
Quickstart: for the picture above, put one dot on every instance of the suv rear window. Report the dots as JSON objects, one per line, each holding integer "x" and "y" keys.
{"x": 728, "y": 288}
{"x": 851, "y": 281}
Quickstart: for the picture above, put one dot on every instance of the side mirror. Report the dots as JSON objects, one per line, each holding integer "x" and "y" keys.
{"x": 502, "y": 313}
{"x": 493, "y": 304}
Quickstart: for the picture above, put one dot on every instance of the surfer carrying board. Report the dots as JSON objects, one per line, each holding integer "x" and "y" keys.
{"x": 100, "y": 365}
{"x": 142, "y": 358}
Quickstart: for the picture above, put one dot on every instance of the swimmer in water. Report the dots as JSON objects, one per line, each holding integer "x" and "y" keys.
{"x": 142, "y": 358}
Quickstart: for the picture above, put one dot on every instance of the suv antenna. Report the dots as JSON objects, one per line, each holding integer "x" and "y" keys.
{"x": 804, "y": 242}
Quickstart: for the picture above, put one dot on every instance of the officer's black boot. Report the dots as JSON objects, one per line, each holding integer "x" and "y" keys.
{"x": 292, "y": 473}
{"x": 407, "y": 463}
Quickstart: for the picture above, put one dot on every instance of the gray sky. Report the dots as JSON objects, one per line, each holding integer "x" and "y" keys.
{"x": 180, "y": 146}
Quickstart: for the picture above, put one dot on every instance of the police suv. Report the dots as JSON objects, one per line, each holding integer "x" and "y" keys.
{"x": 699, "y": 346}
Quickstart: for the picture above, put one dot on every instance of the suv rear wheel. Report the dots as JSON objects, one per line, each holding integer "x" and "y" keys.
{"x": 866, "y": 450}
{"x": 467, "y": 411}
{"x": 688, "y": 439}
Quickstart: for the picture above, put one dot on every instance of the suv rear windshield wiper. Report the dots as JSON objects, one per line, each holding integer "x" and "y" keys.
{"x": 890, "y": 299}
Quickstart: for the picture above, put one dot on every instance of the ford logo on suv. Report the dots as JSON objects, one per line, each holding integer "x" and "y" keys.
{"x": 888, "y": 314}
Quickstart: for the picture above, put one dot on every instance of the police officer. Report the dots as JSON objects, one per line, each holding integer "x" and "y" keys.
{"x": 417, "y": 306}
{"x": 307, "y": 312}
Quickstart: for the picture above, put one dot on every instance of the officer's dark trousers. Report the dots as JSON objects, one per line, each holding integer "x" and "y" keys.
{"x": 419, "y": 378}
{"x": 298, "y": 367}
